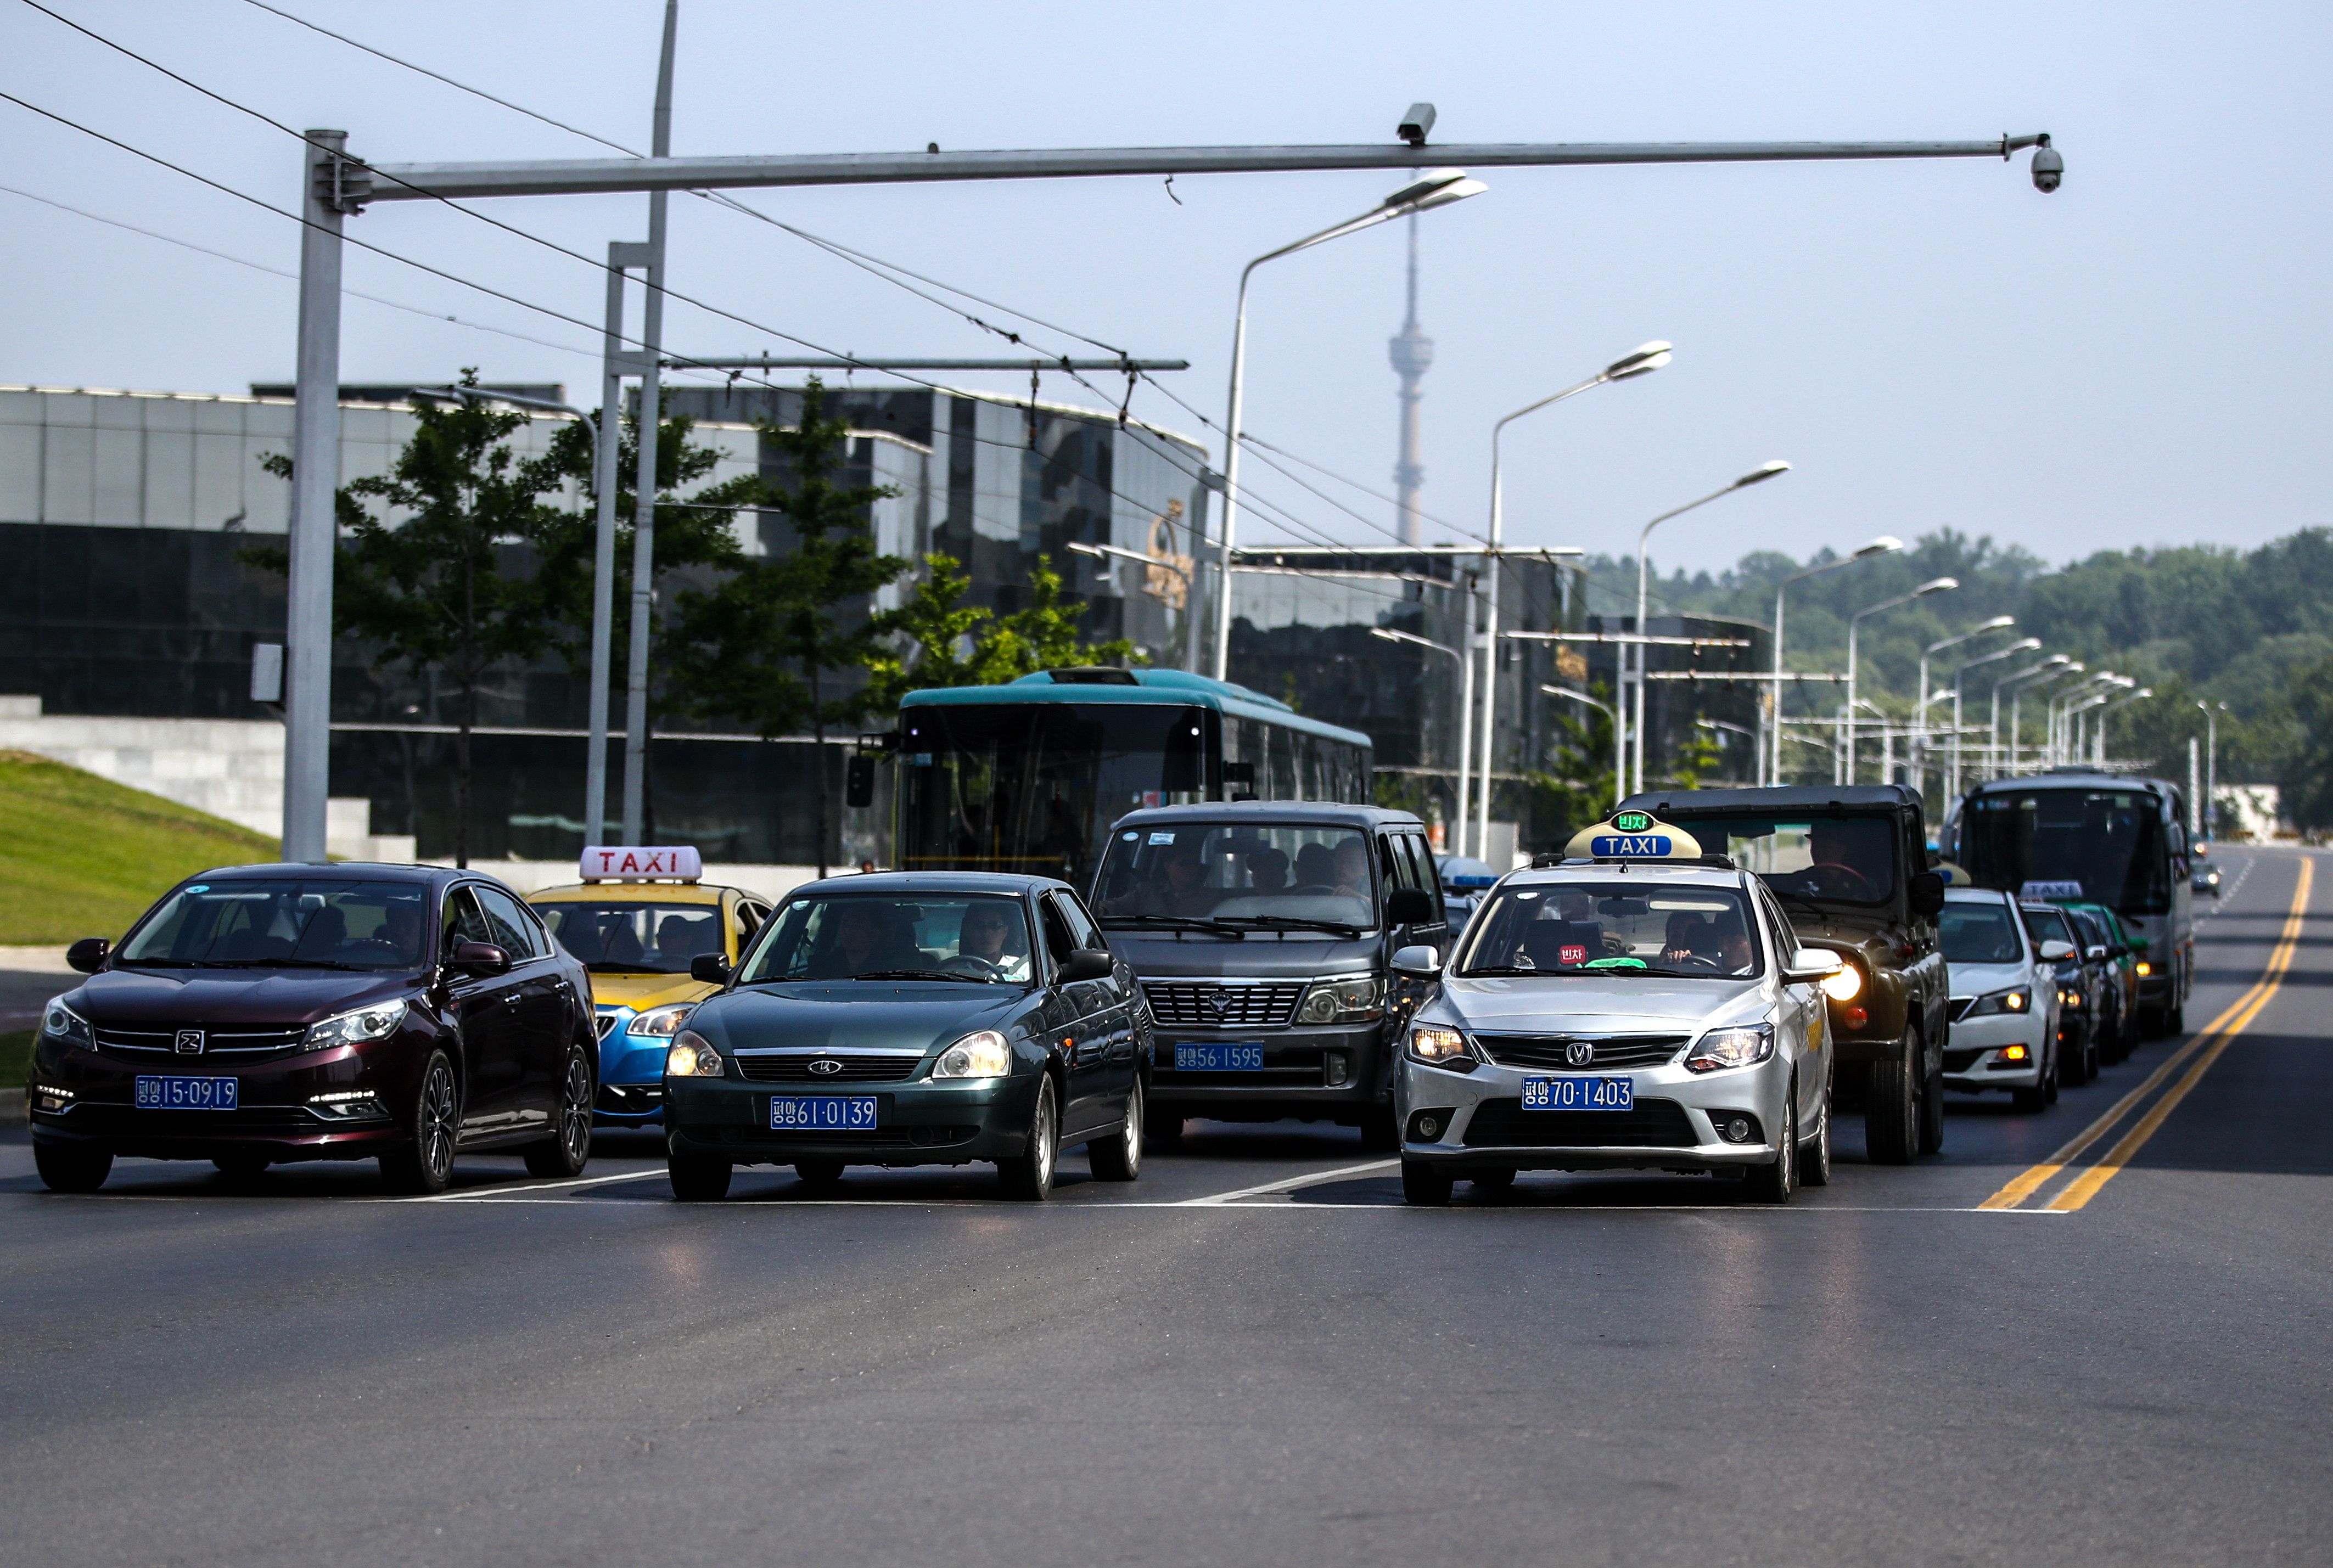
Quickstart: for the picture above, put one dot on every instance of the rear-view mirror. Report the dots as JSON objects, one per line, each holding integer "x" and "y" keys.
{"x": 2094, "y": 954}
{"x": 711, "y": 968}
{"x": 1411, "y": 906}
{"x": 1926, "y": 891}
{"x": 480, "y": 958}
{"x": 1416, "y": 963}
{"x": 88, "y": 954}
{"x": 2057, "y": 951}
{"x": 1810, "y": 964}
{"x": 1086, "y": 963}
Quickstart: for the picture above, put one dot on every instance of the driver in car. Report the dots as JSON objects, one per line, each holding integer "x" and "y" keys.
{"x": 981, "y": 943}
{"x": 1836, "y": 850}
{"x": 1183, "y": 892}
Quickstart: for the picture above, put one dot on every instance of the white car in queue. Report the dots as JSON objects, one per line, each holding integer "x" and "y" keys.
{"x": 2004, "y": 999}
{"x": 1637, "y": 1004}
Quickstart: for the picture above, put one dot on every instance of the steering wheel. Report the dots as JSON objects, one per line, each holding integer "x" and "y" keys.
{"x": 1870, "y": 890}
{"x": 1688, "y": 957}
{"x": 972, "y": 966}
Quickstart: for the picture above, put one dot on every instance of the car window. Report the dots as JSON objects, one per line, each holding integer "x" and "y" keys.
{"x": 293, "y": 921}
{"x": 462, "y": 920}
{"x": 1284, "y": 873}
{"x": 1979, "y": 932}
{"x": 749, "y": 916}
{"x": 1612, "y": 930}
{"x": 1058, "y": 942}
{"x": 938, "y": 936}
{"x": 1413, "y": 845}
{"x": 2049, "y": 925}
{"x": 514, "y": 932}
{"x": 1081, "y": 930}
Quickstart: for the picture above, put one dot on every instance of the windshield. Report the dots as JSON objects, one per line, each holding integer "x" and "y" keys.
{"x": 625, "y": 938}
{"x": 2103, "y": 845}
{"x": 1034, "y": 786}
{"x": 1975, "y": 932}
{"x": 1831, "y": 859}
{"x": 873, "y": 936}
{"x": 291, "y": 924}
{"x": 1239, "y": 874}
{"x": 1615, "y": 928}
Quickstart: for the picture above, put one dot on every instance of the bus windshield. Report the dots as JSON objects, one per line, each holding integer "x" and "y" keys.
{"x": 2109, "y": 845}
{"x": 1033, "y": 787}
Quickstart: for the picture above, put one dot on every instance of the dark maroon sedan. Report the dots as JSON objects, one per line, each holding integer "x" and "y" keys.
{"x": 264, "y": 1014}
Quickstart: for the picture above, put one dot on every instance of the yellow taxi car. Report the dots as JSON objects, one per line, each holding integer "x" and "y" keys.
{"x": 637, "y": 920}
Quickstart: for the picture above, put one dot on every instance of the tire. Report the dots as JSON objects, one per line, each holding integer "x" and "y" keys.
{"x": 1426, "y": 1186}
{"x": 66, "y": 1168}
{"x": 697, "y": 1178}
{"x": 1814, "y": 1154}
{"x": 1380, "y": 1132}
{"x": 1931, "y": 1103}
{"x": 1118, "y": 1157}
{"x": 568, "y": 1148}
{"x": 1498, "y": 1179}
{"x": 425, "y": 1164}
{"x": 240, "y": 1164}
{"x": 819, "y": 1173}
{"x": 1777, "y": 1183}
{"x": 1029, "y": 1175}
{"x": 1891, "y": 1109}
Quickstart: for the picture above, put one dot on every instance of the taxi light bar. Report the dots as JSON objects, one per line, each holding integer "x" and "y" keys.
{"x": 642, "y": 863}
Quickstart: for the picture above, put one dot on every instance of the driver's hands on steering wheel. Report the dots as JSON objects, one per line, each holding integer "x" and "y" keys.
{"x": 972, "y": 966}
{"x": 1828, "y": 875}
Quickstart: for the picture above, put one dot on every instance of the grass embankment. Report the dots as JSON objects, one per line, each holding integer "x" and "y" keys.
{"x": 85, "y": 855}
{"x": 15, "y": 1057}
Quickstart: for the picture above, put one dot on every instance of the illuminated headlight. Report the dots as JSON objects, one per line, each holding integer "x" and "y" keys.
{"x": 2012, "y": 1056}
{"x": 1340, "y": 1001}
{"x": 661, "y": 1023}
{"x": 371, "y": 1023}
{"x": 1735, "y": 1048}
{"x": 981, "y": 1055}
{"x": 1429, "y": 1043}
{"x": 692, "y": 1056}
{"x": 2071, "y": 998}
{"x": 2145, "y": 968}
{"x": 50, "y": 1097}
{"x": 1845, "y": 983}
{"x": 2017, "y": 999}
{"x": 347, "y": 1105}
{"x": 60, "y": 1022}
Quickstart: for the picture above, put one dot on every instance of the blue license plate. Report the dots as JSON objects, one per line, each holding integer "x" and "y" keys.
{"x": 1579, "y": 1093}
{"x": 822, "y": 1112}
{"x": 156, "y": 1094}
{"x": 1219, "y": 1059}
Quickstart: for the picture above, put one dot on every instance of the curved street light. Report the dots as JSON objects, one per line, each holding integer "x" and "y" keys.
{"x": 1920, "y": 715}
{"x": 2021, "y": 646}
{"x": 1886, "y": 544}
{"x": 1465, "y": 712}
{"x": 1938, "y": 585}
{"x": 1605, "y": 709}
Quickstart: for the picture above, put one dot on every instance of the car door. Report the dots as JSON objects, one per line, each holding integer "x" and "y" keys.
{"x": 484, "y": 1009}
{"x": 541, "y": 1007}
{"x": 1119, "y": 1047}
{"x": 1798, "y": 1015}
{"x": 1080, "y": 1025}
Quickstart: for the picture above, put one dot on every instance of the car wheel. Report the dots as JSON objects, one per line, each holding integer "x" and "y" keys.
{"x": 425, "y": 1164}
{"x": 819, "y": 1172}
{"x": 1932, "y": 1101}
{"x": 1891, "y": 1108}
{"x": 1380, "y": 1132}
{"x": 1814, "y": 1154}
{"x": 1776, "y": 1183}
{"x": 1119, "y": 1158}
{"x": 1425, "y": 1185}
{"x": 1498, "y": 1179}
{"x": 568, "y": 1148}
{"x": 66, "y": 1168}
{"x": 1029, "y": 1175}
{"x": 240, "y": 1164}
{"x": 696, "y": 1178}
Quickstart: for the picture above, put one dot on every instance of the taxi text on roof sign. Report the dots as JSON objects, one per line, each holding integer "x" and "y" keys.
{"x": 642, "y": 863}
{"x": 1633, "y": 836}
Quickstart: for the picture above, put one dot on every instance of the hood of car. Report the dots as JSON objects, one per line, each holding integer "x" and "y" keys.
{"x": 1548, "y": 1005}
{"x": 1970, "y": 979}
{"x": 1261, "y": 955}
{"x": 123, "y": 998}
{"x": 858, "y": 1015}
{"x": 643, "y": 992}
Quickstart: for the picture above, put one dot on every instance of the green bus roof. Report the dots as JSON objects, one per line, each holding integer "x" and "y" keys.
{"x": 1153, "y": 688}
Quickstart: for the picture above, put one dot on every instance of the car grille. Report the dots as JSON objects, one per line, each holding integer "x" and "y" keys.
{"x": 914, "y": 1135}
{"x": 164, "y": 1040}
{"x": 855, "y": 1069}
{"x": 1284, "y": 1067}
{"x": 1188, "y": 1005}
{"x": 128, "y": 1121}
{"x": 1652, "y": 1124}
{"x": 1610, "y": 1050}
{"x": 1962, "y": 1058}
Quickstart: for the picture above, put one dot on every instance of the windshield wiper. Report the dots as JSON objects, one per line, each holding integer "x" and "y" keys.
{"x": 1296, "y": 922}
{"x": 1176, "y": 923}
{"x": 923, "y": 974}
{"x": 314, "y": 964}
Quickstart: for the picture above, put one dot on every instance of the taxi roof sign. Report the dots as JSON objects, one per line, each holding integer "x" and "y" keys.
{"x": 642, "y": 863}
{"x": 1633, "y": 836}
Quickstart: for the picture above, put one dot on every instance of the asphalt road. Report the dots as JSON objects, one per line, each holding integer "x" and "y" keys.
{"x": 2110, "y": 1367}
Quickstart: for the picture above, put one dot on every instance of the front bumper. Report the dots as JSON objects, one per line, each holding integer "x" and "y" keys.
{"x": 1973, "y": 1060}
{"x": 631, "y": 1074}
{"x": 1674, "y": 1126}
{"x": 920, "y": 1123}
{"x": 1335, "y": 1072}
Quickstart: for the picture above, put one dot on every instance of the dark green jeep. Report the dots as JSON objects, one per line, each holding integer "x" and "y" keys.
{"x": 1848, "y": 865}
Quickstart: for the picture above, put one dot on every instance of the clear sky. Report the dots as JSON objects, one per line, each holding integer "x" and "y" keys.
{"x": 2140, "y": 358}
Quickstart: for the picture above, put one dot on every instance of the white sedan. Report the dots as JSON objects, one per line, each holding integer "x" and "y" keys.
{"x": 2004, "y": 999}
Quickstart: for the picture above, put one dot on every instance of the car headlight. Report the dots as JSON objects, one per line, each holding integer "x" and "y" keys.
{"x": 2069, "y": 999}
{"x": 1341, "y": 1002}
{"x": 2016, "y": 999}
{"x": 1740, "y": 1047}
{"x": 692, "y": 1056}
{"x": 371, "y": 1023}
{"x": 1441, "y": 1046}
{"x": 2145, "y": 968}
{"x": 662, "y": 1023}
{"x": 1845, "y": 983}
{"x": 980, "y": 1055}
{"x": 60, "y": 1022}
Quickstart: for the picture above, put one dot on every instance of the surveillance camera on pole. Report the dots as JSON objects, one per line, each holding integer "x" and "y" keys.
{"x": 1415, "y": 124}
{"x": 2049, "y": 166}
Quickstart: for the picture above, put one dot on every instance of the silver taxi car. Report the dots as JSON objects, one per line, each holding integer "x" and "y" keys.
{"x": 1637, "y": 1004}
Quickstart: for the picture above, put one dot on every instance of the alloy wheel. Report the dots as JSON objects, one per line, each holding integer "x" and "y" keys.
{"x": 435, "y": 1131}
{"x": 575, "y": 1112}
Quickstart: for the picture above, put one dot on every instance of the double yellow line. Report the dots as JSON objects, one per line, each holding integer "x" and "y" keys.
{"x": 2197, "y": 1056}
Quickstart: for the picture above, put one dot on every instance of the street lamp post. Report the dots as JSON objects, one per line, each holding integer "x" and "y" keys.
{"x": 1854, "y": 627}
{"x": 1433, "y": 188}
{"x": 1920, "y": 715}
{"x": 2211, "y": 769}
{"x": 1641, "y": 360}
{"x": 2098, "y": 741}
{"x": 1757, "y": 475}
{"x": 1466, "y": 702}
{"x": 2021, "y": 646}
{"x": 1619, "y": 791}
{"x": 1190, "y": 599}
{"x": 2061, "y": 711}
{"x": 1757, "y": 739}
{"x": 1887, "y": 544}
{"x": 2043, "y": 673}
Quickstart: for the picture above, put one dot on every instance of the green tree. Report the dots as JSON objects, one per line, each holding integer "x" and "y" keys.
{"x": 1575, "y": 788}
{"x": 1045, "y": 634}
{"x": 2305, "y": 784}
{"x": 772, "y": 643}
{"x": 432, "y": 588}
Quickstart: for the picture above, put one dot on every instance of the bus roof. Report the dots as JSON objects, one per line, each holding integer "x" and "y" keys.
{"x": 1154, "y": 687}
{"x": 2077, "y": 777}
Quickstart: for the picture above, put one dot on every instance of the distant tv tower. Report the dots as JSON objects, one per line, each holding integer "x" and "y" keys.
{"x": 1413, "y": 353}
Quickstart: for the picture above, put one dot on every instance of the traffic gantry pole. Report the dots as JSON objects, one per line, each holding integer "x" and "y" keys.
{"x": 308, "y": 633}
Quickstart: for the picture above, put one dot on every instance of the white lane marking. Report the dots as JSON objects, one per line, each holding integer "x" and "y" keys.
{"x": 485, "y": 1194}
{"x": 751, "y": 1201}
{"x": 1288, "y": 1184}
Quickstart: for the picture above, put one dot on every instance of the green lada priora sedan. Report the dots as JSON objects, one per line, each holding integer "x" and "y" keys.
{"x": 913, "y": 1018}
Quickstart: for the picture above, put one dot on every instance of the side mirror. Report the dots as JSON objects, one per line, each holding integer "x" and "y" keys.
{"x": 2057, "y": 951}
{"x": 1926, "y": 889}
{"x": 1419, "y": 963}
{"x": 1811, "y": 964}
{"x": 88, "y": 954}
{"x": 1086, "y": 963}
{"x": 709, "y": 967}
{"x": 2094, "y": 954}
{"x": 1410, "y": 906}
{"x": 480, "y": 958}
